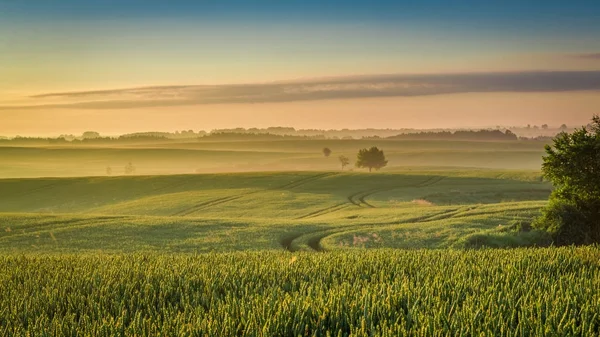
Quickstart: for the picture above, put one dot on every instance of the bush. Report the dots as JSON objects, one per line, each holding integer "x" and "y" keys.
{"x": 571, "y": 222}
{"x": 572, "y": 164}
{"x": 515, "y": 234}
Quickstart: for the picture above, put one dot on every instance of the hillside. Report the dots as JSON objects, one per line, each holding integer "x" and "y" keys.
{"x": 284, "y": 210}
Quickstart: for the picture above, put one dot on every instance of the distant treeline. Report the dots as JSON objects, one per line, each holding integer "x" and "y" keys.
{"x": 92, "y": 137}
{"x": 460, "y": 135}
{"x": 234, "y": 136}
{"x": 319, "y": 133}
{"x": 185, "y": 134}
{"x": 99, "y": 140}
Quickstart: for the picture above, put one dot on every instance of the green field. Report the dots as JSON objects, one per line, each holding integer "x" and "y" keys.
{"x": 293, "y": 211}
{"x": 284, "y": 253}
{"x": 519, "y": 292}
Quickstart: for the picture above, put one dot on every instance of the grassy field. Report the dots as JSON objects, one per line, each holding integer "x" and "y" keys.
{"x": 244, "y": 156}
{"x": 285, "y": 210}
{"x": 519, "y": 292}
{"x": 282, "y": 253}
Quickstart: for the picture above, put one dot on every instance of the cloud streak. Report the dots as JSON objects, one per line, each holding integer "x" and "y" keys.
{"x": 593, "y": 56}
{"x": 392, "y": 85}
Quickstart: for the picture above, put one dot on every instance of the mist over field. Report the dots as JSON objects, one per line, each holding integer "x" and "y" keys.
{"x": 300, "y": 168}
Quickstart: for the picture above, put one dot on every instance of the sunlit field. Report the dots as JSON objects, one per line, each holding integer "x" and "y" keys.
{"x": 439, "y": 242}
{"x": 299, "y": 168}
{"x": 535, "y": 292}
{"x": 275, "y": 211}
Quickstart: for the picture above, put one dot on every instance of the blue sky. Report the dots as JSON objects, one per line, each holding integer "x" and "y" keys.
{"x": 508, "y": 10}
{"x": 72, "y": 46}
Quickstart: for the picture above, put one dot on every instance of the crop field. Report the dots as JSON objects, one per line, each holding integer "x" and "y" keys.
{"x": 285, "y": 210}
{"x": 518, "y": 292}
{"x": 409, "y": 251}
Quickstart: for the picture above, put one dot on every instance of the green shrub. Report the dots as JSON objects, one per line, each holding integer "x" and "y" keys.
{"x": 572, "y": 164}
{"x": 571, "y": 222}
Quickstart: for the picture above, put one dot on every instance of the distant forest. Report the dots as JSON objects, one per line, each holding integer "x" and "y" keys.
{"x": 284, "y": 133}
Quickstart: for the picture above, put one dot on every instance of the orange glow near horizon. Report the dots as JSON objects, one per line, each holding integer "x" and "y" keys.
{"x": 440, "y": 111}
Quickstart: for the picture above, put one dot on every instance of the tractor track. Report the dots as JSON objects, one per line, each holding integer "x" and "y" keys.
{"x": 315, "y": 237}
{"x": 358, "y": 198}
{"x": 60, "y": 224}
{"x": 303, "y": 181}
{"x": 219, "y": 201}
{"x": 206, "y": 204}
{"x": 323, "y": 211}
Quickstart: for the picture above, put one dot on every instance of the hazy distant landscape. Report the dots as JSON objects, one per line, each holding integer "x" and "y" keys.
{"x": 244, "y": 152}
{"x": 300, "y": 168}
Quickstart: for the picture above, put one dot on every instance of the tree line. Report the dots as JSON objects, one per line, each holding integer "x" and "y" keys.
{"x": 140, "y": 137}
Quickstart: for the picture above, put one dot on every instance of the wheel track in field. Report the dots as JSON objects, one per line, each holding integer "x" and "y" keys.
{"x": 361, "y": 195}
{"x": 358, "y": 198}
{"x": 315, "y": 237}
{"x": 209, "y": 203}
{"x": 219, "y": 201}
{"x": 431, "y": 181}
{"x": 315, "y": 242}
{"x": 303, "y": 181}
{"x": 323, "y": 211}
{"x": 62, "y": 224}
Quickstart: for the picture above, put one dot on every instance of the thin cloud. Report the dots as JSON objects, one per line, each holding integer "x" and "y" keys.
{"x": 594, "y": 56}
{"x": 392, "y": 85}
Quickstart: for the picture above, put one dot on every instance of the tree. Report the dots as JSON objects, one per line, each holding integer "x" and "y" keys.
{"x": 344, "y": 161}
{"x": 510, "y": 134}
{"x": 372, "y": 158}
{"x": 90, "y": 135}
{"x": 563, "y": 127}
{"x": 326, "y": 151}
{"x": 572, "y": 164}
{"x": 545, "y": 126}
{"x": 129, "y": 168}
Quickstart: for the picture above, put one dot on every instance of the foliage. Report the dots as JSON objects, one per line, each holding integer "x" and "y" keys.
{"x": 482, "y": 135}
{"x": 572, "y": 164}
{"x": 90, "y": 135}
{"x": 326, "y": 151}
{"x": 129, "y": 168}
{"x": 344, "y": 161}
{"x": 372, "y": 158}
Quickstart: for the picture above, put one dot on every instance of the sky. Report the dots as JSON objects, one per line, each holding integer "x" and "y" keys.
{"x": 124, "y": 66}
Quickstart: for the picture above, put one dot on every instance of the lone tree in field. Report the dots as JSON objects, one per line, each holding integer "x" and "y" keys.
{"x": 572, "y": 164}
{"x": 372, "y": 158}
{"x": 129, "y": 168}
{"x": 326, "y": 151}
{"x": 344, "y": 161}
